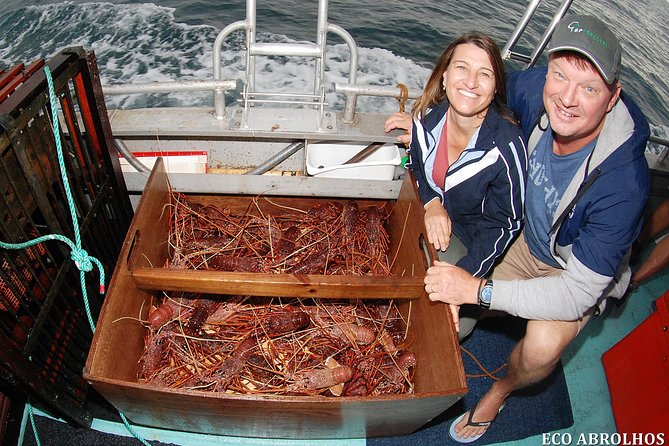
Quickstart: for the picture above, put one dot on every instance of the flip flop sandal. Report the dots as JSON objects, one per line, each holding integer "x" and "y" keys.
{"x": 454, "y": 435}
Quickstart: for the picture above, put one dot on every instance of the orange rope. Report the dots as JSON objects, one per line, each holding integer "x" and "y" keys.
{"x": 490, "y": 375}
{"x": 402, "y": 98}
{"x": 404, "y": 95}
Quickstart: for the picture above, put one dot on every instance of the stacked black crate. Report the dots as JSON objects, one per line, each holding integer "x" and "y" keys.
{"x": 45, "y": 333}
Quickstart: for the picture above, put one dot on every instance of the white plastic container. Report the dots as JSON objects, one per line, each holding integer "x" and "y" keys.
{"x": 325, "y": 160}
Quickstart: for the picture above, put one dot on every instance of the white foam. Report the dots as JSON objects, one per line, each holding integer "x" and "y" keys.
{"x": 144, "y": 43}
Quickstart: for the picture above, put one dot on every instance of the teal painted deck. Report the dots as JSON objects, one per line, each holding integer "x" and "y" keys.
{"x": 582, "y": 364}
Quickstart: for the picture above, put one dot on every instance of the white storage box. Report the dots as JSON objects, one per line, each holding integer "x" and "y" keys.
{"x": 325, "y": 160}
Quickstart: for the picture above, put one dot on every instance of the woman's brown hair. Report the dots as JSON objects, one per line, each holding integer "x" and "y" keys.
{"x": 433, "y": 92}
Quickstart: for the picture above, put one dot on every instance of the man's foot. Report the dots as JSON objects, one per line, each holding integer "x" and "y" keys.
{"x": 474, "y": 423}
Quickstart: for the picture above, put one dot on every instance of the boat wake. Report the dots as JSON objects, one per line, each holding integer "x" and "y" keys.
{"x": 139, "y": 43}
{"x": 143, "y": 43}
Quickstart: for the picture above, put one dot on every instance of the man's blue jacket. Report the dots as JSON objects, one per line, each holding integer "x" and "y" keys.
{"x": 592, "y": 242}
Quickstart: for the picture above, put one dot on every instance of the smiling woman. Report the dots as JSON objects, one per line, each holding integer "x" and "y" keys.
{"x": 467, "y": 153}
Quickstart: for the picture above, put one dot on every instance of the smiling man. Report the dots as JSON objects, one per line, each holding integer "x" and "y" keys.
{"x": 587, "y": 187}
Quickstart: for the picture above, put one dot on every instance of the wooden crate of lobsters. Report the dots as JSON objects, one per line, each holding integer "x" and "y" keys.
{"x": 275, "y": 317}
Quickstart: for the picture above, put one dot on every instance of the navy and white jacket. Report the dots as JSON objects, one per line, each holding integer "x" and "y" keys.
{"x": 592, "y": 243}
{"x": 484, "y": 191}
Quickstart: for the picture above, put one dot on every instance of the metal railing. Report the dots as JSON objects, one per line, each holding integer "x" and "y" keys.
{"x": 170, "y": 87}
{"x": 350, "y": 90}
{"x": 255, "y": 48}
{"x": 662, "y": 157}
{"x": 530, "y": 60}
{"x": 219, "y": 86}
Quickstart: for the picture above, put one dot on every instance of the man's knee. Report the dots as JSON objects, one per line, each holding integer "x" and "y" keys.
{"x": 545, "y": 341}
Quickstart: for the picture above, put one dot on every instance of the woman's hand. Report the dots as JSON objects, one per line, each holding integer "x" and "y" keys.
{"x": 400, "y": 120}
{"x": 437, "y": 225}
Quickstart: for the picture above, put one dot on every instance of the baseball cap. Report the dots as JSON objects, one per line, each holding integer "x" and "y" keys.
{"x": 591, "y": 37}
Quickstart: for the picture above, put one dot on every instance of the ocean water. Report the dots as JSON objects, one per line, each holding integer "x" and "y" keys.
{"x": 399, "y": 41}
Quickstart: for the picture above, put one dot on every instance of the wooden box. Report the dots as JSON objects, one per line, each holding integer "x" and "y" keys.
{"x": 149, "y": 250}
{"x": 118, "y": 343}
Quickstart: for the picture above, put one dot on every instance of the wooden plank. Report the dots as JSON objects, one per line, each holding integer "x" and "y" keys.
{"x": 270, "y": 416}
{"x": 291, "y": 285}
{"x": 121, "y": 341}
{"x": 33, "y": 67}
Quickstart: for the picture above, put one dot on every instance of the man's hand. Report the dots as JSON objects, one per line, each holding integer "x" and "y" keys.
{"x": 450, "y": 284}
{"x": 400, "y": 120}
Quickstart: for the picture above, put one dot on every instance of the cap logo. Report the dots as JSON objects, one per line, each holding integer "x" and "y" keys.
{"x": 575, "y": 27}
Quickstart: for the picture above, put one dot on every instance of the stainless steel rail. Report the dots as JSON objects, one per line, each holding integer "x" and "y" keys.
{"x": 507, "y": 51}
{"x": 254, "y": 48}
{"x": 530, "y": 60}
{"x": 170, "y": 87}
{"x": 352, "y": 91}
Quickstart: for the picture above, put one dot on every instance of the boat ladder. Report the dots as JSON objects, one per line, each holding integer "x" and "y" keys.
{"x": 251, "y": 94}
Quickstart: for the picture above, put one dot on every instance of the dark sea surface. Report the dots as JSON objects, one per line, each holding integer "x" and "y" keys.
{"x": 399, "y": 41}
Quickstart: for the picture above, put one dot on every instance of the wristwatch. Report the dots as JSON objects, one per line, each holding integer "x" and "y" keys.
{"x": 485, "y": 295}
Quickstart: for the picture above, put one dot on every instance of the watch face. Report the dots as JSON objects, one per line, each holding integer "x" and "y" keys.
{"x": 486, "y": 294}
